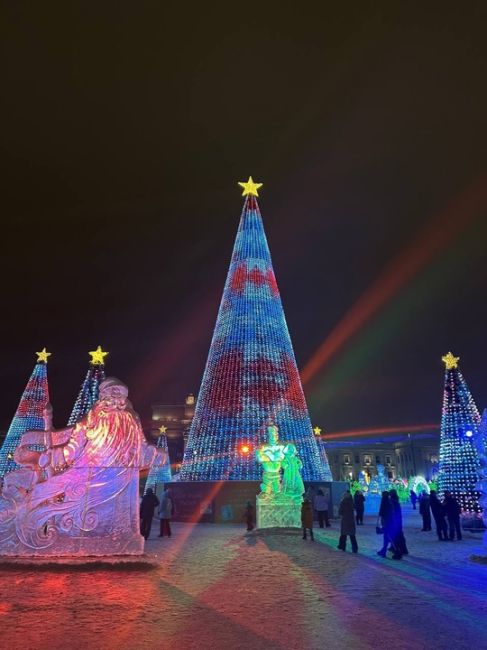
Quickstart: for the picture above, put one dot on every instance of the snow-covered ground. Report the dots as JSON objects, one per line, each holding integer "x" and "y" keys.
{"x": 212, "y": 587}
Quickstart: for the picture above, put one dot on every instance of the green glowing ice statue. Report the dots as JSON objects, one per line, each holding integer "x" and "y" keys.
{"x": 279, "y": 502}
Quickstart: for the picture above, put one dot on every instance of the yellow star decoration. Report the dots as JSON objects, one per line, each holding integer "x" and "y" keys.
{"x": 317, "y": 431}
{"x": 42, "y": 355}
{"x": 250, "y": 187}
{"x": 162, "y": 429}
{"x": 450, "y": 361}
{"x": 98, "y": 356}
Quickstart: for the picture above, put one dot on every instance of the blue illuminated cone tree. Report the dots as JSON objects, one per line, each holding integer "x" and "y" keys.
{"x": 459, "y": 459}
{"x": 160, "y": 472}
{"x": 88, "y": 393}
{"x": 251, "y": 377}
{"x": 29, "y": 414}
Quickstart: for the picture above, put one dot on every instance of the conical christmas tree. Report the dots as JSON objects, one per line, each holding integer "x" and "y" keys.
{"x": 251, "y": 377}
{"x": 89, "y": 390}
{"x": 459, "y": 460}
{"x": 29, "y": 414}
{"x": 481, "y": 486}
{"x": 160, "y": 471}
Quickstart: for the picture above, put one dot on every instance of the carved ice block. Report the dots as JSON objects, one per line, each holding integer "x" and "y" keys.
{"x": 278, "y": 513}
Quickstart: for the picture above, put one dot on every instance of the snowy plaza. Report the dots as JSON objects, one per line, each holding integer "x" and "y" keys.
{"x": 218, "y": 587}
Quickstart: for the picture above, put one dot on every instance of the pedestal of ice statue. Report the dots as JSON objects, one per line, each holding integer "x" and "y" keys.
{"x": 279, "y": 502}
{"x": 77, "y": 491}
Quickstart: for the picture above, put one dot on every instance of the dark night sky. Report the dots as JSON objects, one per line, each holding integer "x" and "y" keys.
{"x": 125, "y": 129}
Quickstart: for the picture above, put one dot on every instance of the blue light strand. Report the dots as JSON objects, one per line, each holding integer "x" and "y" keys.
{"x": 458, "y": 458}
{"x": 88, "y": 393}
{"x": 251, "y": 376}
{"x": 29, "y": 416}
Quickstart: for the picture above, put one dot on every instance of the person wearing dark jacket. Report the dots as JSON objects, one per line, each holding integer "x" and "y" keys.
{"x": 424, "y": 510}
{"x": 320, "y": 504}
{"x": 347, "y": 527}
{"x": 249, "y": 515}
{"x": 414, "y": 497}
{"x": 387, "y": 522}
{"x": 452, "y": 509}
{"x": 399, "y": 541}
{"x": 439, "y": 515}
{"x": 147, "y": 506}
{"x": 358, "y": 502}
{"x": 307, "y": 518}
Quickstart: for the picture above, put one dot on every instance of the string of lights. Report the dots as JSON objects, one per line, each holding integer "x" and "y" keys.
{"x": 251, "y": 377}
{"x": 89, "y": 391}
{"x": 459, "y": 460}
{"x": 29, "y": 414}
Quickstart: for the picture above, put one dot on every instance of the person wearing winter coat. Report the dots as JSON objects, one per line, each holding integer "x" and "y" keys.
{"x": 386, "y": 518}
{"x": 453, "y": 510}
{"x": 399, "y": 541}
{"x": 439, "y": 515}
{"x": 307, "y": 518}
{"x": 359, "y": 503}
{"x": 424, "y": 510}
{"x": 147, "y": 506}
{"x": 249, "y": 515}
{"x": 320, "y": 504}
{"x": 414, "y": 497}
{"x": 165, "y": 514}
{"x": 347, "y": 526}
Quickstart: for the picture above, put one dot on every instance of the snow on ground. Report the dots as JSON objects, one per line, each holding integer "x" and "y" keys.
{"x": 216, "y": 587}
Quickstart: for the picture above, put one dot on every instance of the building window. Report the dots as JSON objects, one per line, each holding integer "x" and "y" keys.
{"x": 346, "y": 459}
{"x": 367, "y": 459}
{"x": 388, "y": 460}
{"x": 377, "y": 460}
{"x": 357, "y": 458}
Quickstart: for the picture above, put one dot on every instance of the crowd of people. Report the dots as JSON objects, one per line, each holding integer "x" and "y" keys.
{"x": 446, "y": 515}
{"x": 389, "y": 524}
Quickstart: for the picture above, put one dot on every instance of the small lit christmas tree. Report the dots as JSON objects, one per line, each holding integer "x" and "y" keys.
{"x": 160, "y": 471}
{"x": 251, "y": 378}
{"x": 89, "y": 390}
{"x": 459, "y": 460}
{"x": 29, "y": 414}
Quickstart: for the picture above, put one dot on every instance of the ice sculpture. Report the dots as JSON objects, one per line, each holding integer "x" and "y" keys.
{"x": 77, "y": 491}
{"x": 279, "y": 503}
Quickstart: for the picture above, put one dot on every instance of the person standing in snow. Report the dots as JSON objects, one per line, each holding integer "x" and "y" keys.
{"x": 320, "y": 504}
{"x": 453, "y": 510}
{"x": 359, "y": 503}
{"x": 439, "y": 514}
{"x": 347, "y": 526}
{"x": 165, "y": 514}
{"x": 147, "y": 506}
{"x": 424, "y": 510}
{"x": 307, "y": 518}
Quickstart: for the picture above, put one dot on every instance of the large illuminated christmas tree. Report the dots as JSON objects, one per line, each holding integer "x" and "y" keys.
{"x": 88, "y": 393}
{"x": 29, "y": 414}
{"x": 459, "y": 460}
{"x": 251, "y": 377}
{"x": 160, "y": 471}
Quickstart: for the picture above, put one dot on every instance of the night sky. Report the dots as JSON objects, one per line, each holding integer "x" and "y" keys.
{"x": 126, "y": 127}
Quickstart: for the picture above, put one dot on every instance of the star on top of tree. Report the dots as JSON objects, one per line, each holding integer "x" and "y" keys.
{"x": 98, "y": 356}
{"x": 450, "y": 361}
{"x": 162, "y": 429}
{"x": 317, "y": 431}
{"x": 250, "y": 187}
{"x": 43, "y": 355}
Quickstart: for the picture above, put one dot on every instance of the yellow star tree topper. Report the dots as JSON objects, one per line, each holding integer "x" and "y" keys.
{"x": 450, "y": 361}
{"x": 317, "y": 431}
{"x": 162, "y": 429}
{"x": 42, "y": 355}
{"x": 98, "y": 356}
{"x": 250, "y": 187}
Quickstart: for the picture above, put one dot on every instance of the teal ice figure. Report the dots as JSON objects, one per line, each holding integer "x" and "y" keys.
{"x": 279, "y": 501}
